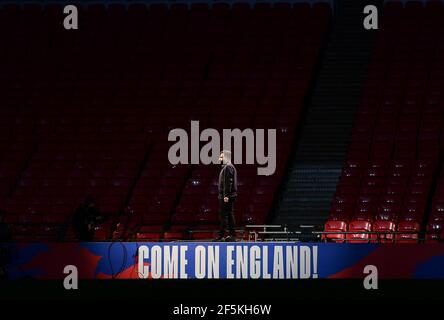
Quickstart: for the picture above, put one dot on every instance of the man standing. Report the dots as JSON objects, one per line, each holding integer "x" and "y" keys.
{"x": 227, "y": 196}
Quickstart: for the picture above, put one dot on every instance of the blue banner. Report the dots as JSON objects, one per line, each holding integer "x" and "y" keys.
{"x": 207, "y": 260}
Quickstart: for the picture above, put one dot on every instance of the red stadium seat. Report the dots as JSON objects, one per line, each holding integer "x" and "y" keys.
{"x": 409, "y": 226}
{"x": 149, "y": 236}
{"x": 359, "y": 226}
{"x": 335, "y": 226}
{"x": 384, "y": 227}
{"x": 433, "y": 232}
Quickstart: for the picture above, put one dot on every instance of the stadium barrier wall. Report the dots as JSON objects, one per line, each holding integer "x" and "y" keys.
{"x": 207, "y": 260}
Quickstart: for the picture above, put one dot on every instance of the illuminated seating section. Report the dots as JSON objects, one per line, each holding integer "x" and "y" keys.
{"x": 392, "y": 172}
{"x": 87, "y": 112}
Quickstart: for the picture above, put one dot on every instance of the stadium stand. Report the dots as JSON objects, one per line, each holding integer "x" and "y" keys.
{"x": 87, "y": 113}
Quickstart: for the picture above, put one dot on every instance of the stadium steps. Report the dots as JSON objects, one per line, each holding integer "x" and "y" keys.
{"x": 328, "y": 121}
{"x": 308, "y": 190}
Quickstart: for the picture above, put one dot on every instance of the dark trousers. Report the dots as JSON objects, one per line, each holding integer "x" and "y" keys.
{"x": 226, "y": 217}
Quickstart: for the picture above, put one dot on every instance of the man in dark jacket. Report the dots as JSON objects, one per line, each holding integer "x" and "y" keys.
{"x": 85, "y": 219}
{"x": 227, "y": 196}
